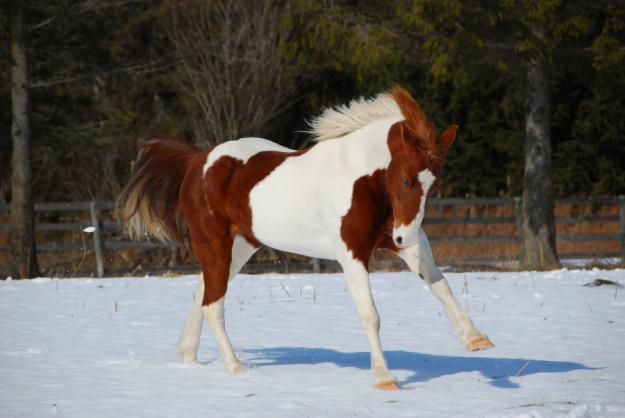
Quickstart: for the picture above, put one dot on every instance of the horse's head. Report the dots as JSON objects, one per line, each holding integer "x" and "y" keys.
{"x": 417, "y": 155}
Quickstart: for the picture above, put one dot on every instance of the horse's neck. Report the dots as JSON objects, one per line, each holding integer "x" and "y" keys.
{"x": 366, "y": 150}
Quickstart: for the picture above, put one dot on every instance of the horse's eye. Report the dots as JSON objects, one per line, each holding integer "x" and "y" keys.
{"x": 406, "y": 181}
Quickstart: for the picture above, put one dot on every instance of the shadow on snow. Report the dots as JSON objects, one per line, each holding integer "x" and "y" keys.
{"x": 423, "y": 366}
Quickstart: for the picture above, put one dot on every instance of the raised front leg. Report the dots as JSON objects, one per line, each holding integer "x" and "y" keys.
{"x": 420, "y": 260}
{"x": 357, "y": 278}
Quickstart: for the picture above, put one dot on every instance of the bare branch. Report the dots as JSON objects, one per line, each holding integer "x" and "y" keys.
{"x": 87, "y": 6}
{"x": 231, "y": 66}
{"x": 147, "y": 68}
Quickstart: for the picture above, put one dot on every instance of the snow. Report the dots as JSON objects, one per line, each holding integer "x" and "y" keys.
{"x": 107, "y": 348}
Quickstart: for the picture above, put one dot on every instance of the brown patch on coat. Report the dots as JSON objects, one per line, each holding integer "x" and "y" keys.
{"x": 365, "y": 224}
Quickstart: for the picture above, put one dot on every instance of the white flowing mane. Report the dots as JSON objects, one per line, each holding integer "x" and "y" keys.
{"x": 339, "y": 121}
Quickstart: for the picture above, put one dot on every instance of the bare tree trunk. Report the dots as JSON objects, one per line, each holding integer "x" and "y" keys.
{"x": 538, "y": 250}
{"x": 22, "y": 213}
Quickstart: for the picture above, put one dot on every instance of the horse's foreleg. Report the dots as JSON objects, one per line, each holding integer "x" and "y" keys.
{"x": 421, "y": 261}
{"x": 190, "y": 339}
{"x": 357, "y": 278}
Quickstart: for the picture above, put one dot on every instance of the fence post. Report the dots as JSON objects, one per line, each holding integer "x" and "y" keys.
{"x": 621, "y": 222}
{"x": 316, "y": 265}
{"x": 97, "y": 238}
{"x": 518, "y": 215}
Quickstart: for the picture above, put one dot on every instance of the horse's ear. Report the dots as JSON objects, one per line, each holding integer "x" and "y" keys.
{"x": 404, "y": 140}
{"x": 397, "y": 140}
{"x": 447, "y": 137}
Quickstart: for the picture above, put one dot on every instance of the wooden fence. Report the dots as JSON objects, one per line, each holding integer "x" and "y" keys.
{"x": 100, "y": 232}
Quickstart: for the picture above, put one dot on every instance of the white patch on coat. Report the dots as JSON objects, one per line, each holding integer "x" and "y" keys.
{"x": 410, "y": 233}
{"x": 242, "y": 250}
{"x": 241, "y": 149}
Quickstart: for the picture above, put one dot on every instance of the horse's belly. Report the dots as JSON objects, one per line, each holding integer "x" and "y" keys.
{"x": 303, "y": 241}
{"x": 293, "y": 228}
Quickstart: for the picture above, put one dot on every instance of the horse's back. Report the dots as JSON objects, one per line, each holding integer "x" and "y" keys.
{"x": 243, "y": 149}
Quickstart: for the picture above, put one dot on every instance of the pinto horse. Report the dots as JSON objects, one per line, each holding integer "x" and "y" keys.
{"x": 361, "y": 187}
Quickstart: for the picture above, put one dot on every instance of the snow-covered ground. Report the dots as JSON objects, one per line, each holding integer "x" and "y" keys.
{"x": 107, "y": 348}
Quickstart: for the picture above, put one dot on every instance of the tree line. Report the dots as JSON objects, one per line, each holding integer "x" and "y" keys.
{"x": 535, "y": 86}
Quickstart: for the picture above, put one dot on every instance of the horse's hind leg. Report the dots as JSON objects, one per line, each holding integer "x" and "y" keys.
{"x": 224, "y": 269}
{"x": 190, "y": 339}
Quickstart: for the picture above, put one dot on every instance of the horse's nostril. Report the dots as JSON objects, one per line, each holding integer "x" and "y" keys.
{"x": 399, "y": 240}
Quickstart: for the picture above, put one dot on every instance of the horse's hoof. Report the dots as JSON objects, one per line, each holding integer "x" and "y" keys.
{"x": 188, "y": 358}
{"x": 236, "y": 368}
{"x": 479, "y": 344}
{"x": 388, "y": 385}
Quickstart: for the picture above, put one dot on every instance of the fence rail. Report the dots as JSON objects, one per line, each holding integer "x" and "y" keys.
{"x": 98, "y": 225}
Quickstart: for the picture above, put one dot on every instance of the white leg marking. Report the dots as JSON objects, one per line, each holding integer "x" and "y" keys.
{"x": 421, "y": 261}
{"x": 358, "y": 284}
{"x": 463, "y": 326}
{"x": 190, "y": 338}
{"x": 214, "y": 314}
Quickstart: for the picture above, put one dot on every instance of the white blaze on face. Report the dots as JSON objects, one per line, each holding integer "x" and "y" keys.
{"x": 410, "y": 233}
